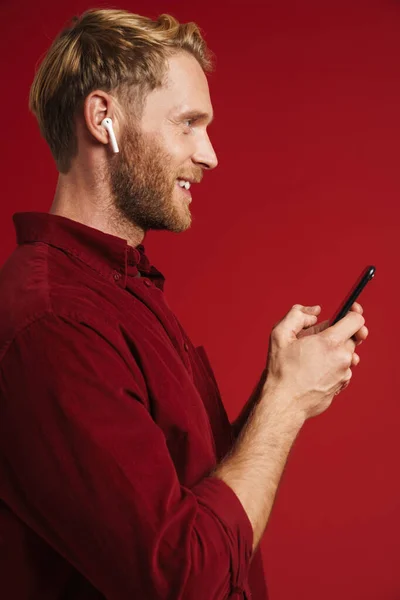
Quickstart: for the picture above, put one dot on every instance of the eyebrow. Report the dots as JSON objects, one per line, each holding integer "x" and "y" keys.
{"x": 197, "y": 115}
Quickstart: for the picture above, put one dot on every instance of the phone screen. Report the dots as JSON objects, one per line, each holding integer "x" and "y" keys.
{"x": 355, "y": 291}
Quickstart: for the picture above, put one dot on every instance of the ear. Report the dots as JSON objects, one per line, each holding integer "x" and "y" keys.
{"x": 97, "y": 106}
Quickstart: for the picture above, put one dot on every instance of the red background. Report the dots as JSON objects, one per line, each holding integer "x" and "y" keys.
{"x": 307, "y": 129}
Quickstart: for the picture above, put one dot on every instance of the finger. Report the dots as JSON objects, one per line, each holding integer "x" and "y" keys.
{"x": 355, "y": 360}
{"x": 315, "y": 310}
{"x": 311, "y": 313}
{"x": 298, "y": 318}
{"x": 361, "y": 335}
{"x": 345, "y": 385}
{"x": 356, "y": 307}
{"x": 315, "y": 328}
{"x": 345, "y": 328}
{"x": 322, "y": 326}
{"x": 350, "y": 345}
{"x": 342, "y": 387}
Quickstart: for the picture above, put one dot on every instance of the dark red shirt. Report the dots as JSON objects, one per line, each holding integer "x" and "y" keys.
{"x": 110, "y": 425}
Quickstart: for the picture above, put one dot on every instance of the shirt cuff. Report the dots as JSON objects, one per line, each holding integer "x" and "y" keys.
{"x": 218, "y": 497}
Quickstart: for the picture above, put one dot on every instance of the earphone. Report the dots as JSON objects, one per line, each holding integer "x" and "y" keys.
{"x": 107, "y": 123}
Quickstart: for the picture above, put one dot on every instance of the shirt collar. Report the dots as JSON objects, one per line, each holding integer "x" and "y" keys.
{"x": 107, "y": 254}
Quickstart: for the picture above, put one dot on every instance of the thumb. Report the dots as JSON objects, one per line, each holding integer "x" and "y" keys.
{"x": 298, "y": 318}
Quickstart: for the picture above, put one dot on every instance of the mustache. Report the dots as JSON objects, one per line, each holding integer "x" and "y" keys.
{"x": 195, "y": 177}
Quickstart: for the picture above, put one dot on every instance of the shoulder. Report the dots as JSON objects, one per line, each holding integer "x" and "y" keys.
{"x": 42, "y": 290}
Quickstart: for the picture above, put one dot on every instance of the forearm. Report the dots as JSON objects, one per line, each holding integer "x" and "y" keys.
{"x": 242, "y": 419}
{"x": 254, "y": 467}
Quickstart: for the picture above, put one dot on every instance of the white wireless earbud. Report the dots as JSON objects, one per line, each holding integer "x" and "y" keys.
{"x": 107, "y": 123}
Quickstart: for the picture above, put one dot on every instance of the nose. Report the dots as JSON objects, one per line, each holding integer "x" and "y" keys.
{"x": 204, "y": 154}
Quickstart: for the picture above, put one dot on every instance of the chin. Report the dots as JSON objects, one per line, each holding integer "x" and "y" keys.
{"x": 181, "y": 218}
{"x": 180, "y": 226}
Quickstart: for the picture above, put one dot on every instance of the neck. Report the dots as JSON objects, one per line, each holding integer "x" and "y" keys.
{"x": 90, "y": 203}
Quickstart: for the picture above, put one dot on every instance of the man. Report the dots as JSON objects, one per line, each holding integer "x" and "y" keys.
{"x": 120, "y": 474}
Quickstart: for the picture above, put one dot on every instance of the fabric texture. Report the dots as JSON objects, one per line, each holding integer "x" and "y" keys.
{"x": 111, "y": 423}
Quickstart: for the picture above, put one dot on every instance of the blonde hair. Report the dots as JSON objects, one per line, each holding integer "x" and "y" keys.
{"x": 111, "y": 50}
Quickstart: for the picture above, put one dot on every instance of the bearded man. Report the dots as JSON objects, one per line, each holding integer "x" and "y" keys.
{"x": 121, "y": 476}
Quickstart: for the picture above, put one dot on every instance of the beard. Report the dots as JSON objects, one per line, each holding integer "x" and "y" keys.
{"x": 143, "y": 184}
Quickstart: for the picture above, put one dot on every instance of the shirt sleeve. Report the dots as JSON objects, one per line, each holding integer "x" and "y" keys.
{"x": 85, "y": 466}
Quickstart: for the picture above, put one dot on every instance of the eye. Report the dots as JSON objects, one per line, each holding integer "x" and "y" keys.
{"x": 189, "y": 122}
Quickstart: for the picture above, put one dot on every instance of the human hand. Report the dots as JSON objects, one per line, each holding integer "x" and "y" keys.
{"x": 359, "y": 336}
{"x": 310, "y": 369}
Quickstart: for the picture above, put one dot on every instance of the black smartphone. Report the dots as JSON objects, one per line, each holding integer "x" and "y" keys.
{"x": 356, "y": 290}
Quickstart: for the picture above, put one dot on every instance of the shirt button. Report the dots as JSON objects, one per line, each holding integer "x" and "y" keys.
{"x": 147, "y": 282}
{"x": 186, "y": 347}
{"x": 117, "y": 276}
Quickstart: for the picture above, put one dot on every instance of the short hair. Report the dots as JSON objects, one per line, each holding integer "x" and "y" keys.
{"x": 108, "y": 49}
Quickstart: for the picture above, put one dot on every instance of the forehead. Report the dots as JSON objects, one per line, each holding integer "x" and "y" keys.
{"x": 185, "y": 89}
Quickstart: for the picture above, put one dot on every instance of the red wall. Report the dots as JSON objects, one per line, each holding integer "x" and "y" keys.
{"x": 306, "y": 96}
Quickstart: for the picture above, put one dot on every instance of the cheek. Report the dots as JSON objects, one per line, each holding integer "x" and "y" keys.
{"x": 178, "y": 148}
{"x": 177, "y": 156}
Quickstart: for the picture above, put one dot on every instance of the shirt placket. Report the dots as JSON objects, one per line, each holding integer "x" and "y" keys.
{"x": 154, "y": 299}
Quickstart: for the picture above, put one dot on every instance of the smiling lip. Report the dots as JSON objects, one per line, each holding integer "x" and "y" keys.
{"x": 183, "y": 188}
{"x": 190, "y": 179}
{"x": 184, "y": 191}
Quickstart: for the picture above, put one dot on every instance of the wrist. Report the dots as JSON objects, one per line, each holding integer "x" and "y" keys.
{"x": 279, "y": 407}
